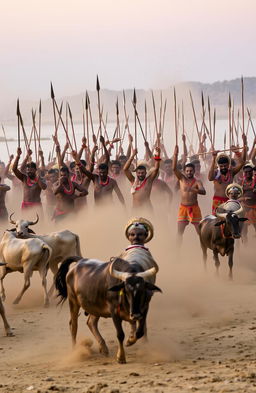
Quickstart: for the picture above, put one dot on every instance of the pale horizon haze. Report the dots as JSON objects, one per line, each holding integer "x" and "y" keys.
{"x": 135, "y": 43}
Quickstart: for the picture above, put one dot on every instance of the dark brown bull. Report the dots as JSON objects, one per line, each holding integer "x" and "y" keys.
{"x": 219, "y": 234}
{"x": 103, "y": 291}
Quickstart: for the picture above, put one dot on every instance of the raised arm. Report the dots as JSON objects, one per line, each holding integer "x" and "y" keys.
{"x": 177, "y": 172}
{"x": 24, "y": 162}
{"x": 239, "y": 166}
{"x": 127, "y": 165}
{"x": 7, "y": 168}
{"x": 157, "y": 159}
{"x": 87, "y": 173}
{"x": 106, "y": 153}
{"x": 15, "y": 169}
{"x": 211, "y": 174}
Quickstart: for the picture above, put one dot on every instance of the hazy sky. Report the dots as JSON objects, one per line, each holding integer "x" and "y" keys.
{"x": 129, "y": 43}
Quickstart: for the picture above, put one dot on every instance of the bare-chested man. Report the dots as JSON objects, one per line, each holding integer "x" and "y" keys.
{"x": 224, "y": 175}
{"x": 33, "y": 184}
{"x": 190, "y": 187}
{"x": 142, "y": 183}
{"x": 249, "y": 198}
{"x": 65, "y": 191}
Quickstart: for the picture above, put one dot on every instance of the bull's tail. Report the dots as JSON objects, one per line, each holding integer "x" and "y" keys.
{"x": 47, "y": 253}
{"x": 60, "y": 279}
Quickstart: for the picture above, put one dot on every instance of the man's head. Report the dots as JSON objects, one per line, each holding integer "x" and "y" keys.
{"x": 64, "y": 172}
{"x": 137, "y": 234}
{"x": 189, "y": 170}
{"x": 223, "y": 164}
{"x": 122, "y": 160}
{"x": 234, "y": 191}
{"x": 103, "y": 171}
{"x": 197, "y": 166}
{"x": 248, "y": 172}
{"x": 141, "y": 172}
{"x": 168, "y": 167}
{"x": 72, "y": 166}
{"x": 53, "y": 175}
{"x": 115, "y": 167}
{"x": 31, "y": 170}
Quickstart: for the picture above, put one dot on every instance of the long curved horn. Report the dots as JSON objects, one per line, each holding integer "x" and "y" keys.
{"x": 11, "y": 220}
{"x": 116, "y": 273}
{"x": 239, "y": 211}
{"x": 147, "y": 273}
{"x": 34, "y": 222}
{"x": 221, "y": 215}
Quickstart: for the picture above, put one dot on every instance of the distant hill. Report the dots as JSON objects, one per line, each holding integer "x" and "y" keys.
{"x": 217, "y": 91}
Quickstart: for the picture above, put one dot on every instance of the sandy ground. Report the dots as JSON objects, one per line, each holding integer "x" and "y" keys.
{"x": 201, "y": 329}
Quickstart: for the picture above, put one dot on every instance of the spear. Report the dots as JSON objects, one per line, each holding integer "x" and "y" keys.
{"x": 60, "y": 117}
{"x": 18, "y": 115}
{"x": 86, "y": 117}
{"x": 117, "y": 125}
{"x": 34, "y": 131}
{"x": 210, "y": 122}
{"x": 160, "y": 113}
{"x": 72, "y": 126}
{"x": 7, "y": 147}
{"x": 175, "y": 116}
{"x": 24, "y": 132}
{"x": 134, "y": 101}
{"x": 214, "y": 126}
{"x": 182, "y": 116}
{"x": 163, "y": 121}
{"x": 194, "y": 114}
{"x": 154, "y": 107}
{"x": 90, "y": 113}
{"x": 137, "y": 117}
{"x": 229, "y": 121}
{"x": 98, "y": 95}
{"x": 125, "y": 113}
{"x": 242, "y": 91}
{"x": 39, "y": 124}
{"x": 146, "y": 121}
{"x": 250, "y": 120}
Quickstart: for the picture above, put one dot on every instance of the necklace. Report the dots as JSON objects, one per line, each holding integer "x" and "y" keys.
{"x": 70, "y": 190}
{"x": 102, "y": 183}
{"x": 31, "y": 182}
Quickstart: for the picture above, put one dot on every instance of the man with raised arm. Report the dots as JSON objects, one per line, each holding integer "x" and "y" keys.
{"x": 224, "y": 174}
{"x": 142, "y": 181}
{"x": 190, "y": 187}
{"x": 32, "y": 183}
{"x": 103, "y": 184}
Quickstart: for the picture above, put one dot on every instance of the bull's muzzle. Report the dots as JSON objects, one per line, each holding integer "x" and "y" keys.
{"x": 135, "y": 317}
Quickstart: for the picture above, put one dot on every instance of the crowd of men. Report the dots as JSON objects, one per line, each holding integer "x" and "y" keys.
{"x": 64, "y": 183}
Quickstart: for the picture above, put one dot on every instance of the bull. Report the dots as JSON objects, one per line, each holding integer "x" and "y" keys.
{"x": 103, "y": 291}
{"x": 64, "y": 244}
{"x": 219, "y": 234}
{"x": 24, "y": 255}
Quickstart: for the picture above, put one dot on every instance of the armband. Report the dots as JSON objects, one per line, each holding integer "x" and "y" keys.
{"x": 157, "y": 158}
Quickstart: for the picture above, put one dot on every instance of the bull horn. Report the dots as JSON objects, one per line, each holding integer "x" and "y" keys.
{"x": 34, "y": 222}
{"x": 221, "y": 215}
{"x": 11, "y": 220}
{"x": 239, "y": 211}
{"x": 147, "y": 273}
{"x": 116, "y": 273}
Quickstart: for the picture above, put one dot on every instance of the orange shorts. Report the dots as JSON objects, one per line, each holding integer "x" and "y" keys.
{"x": 189, "y": 214}
{"x": 216, "y": 202}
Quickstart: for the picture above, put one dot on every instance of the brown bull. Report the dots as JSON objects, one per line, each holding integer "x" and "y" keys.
{"x": 103, "y": 291}
{"x": 219, "y": 234}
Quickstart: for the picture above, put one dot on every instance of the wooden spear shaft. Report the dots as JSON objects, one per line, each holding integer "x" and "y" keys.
{"x": 6, "y": 143}
{"x": 194, "y": 115}
{"x": 175, "y": 116}
{"x": 250, "y": 120}
{"x": 18, "y": 115}
{"x": 242, "y": 91}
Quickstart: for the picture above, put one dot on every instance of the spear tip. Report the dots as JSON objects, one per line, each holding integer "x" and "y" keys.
{"x": 18, "y": 108}
{"x": 52, "y": 92}
{"x": 98, "y": 84}
{"x": 134, "y": 97}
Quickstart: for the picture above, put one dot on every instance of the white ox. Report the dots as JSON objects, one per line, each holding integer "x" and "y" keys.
{"x": 64, "y": 244}
{"x": 25, "y": 256}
